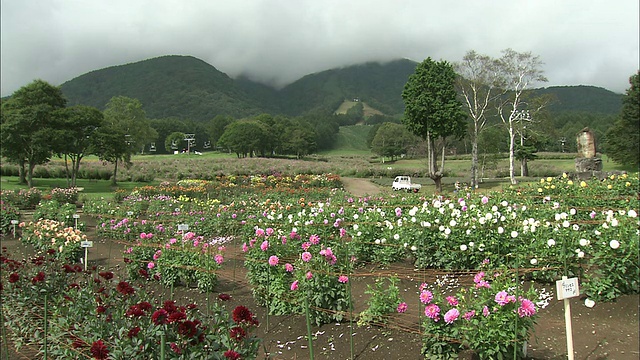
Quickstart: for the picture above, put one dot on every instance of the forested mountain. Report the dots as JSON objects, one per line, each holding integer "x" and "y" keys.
{"x": 587, "y": 99}
{"x": 168, "y": 86}
{"x": 188, "y": 88}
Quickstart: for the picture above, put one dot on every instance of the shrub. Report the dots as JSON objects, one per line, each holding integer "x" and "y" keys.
{"x": 382, "y": 302}
{"x": 49, "y": 235}
{"x": 65, "y": 196}
{"x": 53, "y": 210}
{"x": 8, "y": 213}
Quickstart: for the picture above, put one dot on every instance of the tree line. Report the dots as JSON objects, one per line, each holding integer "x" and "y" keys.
{"x": 36, "y": 125}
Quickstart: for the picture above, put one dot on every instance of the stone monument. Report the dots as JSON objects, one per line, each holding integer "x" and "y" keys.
{"x": 587, "y": 160}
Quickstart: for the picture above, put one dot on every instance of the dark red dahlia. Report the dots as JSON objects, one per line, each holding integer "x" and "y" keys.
{"x": 224, "y": 297}
{"x": 241, "y": 313}
{"x": 125, "y": 288}
{"x": 237, "y": 333}
{"x": 99, "y": 350}
{"x": 170, "y": 306}
{"x": 144, "y": 305}
{"x": 176, "y": 317}
{"x": 187, "y": 328}
{"x": 231, "y": 355}
{"x": 133, "y": 332}
{"x": 159, "y": 317}
{"x": 107, "y": 275}
{"x": 176, "y": 349}
{"x": 14, "y": 277}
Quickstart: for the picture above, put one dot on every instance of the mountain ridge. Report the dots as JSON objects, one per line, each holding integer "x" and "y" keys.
{"x": 186, "y": 87}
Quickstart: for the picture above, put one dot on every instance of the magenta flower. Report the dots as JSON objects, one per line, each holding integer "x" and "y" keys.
{"x": 451, "y": 316}
{"x": 402, "y": 307}
{"x": 469, "y": 314}
{"x": 273, "y": 260}
{"x": 218, "y": 258}
{"x": 264, "y": 246}
{"x": 426, "y": 296}
{"x": 245, "y": 248}
{"x": 432, "y": 311}
{"x": 485, "y": 199}
{"x": 502, "y": 298}
{"x": 294, "y": 285}
{"x": 269, "y": 231}
{"x": 314, "y": 239}
{"x": 306, "y": 256}
{"x": 288, "y": 267}
{"x": 143, "y": 235}
{"x": 151, "y": 265}
{"x": 398, "y": 212}
{"x": 527, "y": 308}
{"x": 343, "y": 232}
{"x": 259, "y": 232}
{"x": 485, "y": 311}
{"x": 452, "y": 300}
{"x": 343, "y": 279}
{"x": 309, "y": 275}
{"x": 306, "y": 245}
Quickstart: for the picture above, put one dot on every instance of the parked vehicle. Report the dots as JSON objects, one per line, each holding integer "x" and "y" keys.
{"x": 404, "y": 183}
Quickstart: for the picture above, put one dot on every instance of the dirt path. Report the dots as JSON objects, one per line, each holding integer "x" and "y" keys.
{"x": 360, "y": 187}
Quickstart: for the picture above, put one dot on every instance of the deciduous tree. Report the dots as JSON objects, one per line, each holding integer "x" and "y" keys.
{"x": 518, "y": 72}
{"x": 27, "y": 120}
{"x": 432, "y": 110}
{"x": 74, "y": 134}
{"x": 478, "y": 82}
{"x": 392, "y": 140}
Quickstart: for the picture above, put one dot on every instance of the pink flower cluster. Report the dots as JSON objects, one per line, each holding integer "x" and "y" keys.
{"x": 329, "y": 256}
{"x": 480, "y": 282}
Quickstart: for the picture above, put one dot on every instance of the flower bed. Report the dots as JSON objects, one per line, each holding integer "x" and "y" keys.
{"x": 100, "y": 316}
{"x": 47, "y": 235}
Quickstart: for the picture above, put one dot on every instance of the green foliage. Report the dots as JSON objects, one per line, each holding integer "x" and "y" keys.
{"x": 623, "y": 137}
{"x": 8, "y": 213}
{"x": 174, "y": 142}
{"x": 22, "y": 198}
{"x": 382, "y": 303}
{"x": 392, "y": 140}
{"x": 74, "y": 134}
{"x": 27, "y": 120}
{"x": 54, "y": 210}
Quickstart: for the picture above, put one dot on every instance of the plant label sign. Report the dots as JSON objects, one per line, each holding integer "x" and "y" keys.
{"x": 183, "y": 227}
{"x": 14, "y": 222}
{"x": 86, "y": 244}
{"x": 76, "y": 216}
{"x": 567, "y": 288}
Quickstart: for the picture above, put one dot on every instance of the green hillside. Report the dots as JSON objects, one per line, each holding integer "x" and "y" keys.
{"x": 190, "y": 89}
{"x": 168, "y": 86}
{"x": 352, "y": 139}
{"x": 587, "y": 99}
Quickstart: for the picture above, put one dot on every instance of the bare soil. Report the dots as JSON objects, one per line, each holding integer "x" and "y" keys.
{"x": 606, "y": 331}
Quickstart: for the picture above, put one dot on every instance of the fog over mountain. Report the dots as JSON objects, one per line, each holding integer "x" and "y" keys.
{"x": 581, "y": 42}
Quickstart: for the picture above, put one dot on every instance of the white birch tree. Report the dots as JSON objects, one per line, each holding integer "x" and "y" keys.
{"x": 519, "y": 71}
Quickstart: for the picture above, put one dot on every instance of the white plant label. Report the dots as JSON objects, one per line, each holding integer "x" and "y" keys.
{"x": 86, "y": 244}
{"x": 567, "y": 288}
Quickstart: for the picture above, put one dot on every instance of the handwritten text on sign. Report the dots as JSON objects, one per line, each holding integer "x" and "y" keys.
{"x": 567, "y": 288}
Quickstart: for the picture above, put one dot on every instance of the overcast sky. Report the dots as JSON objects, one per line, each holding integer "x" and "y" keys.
{"x": 581, "y": 42}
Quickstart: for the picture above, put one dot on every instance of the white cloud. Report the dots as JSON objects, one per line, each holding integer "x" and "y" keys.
{"x": 581, "y": 42}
